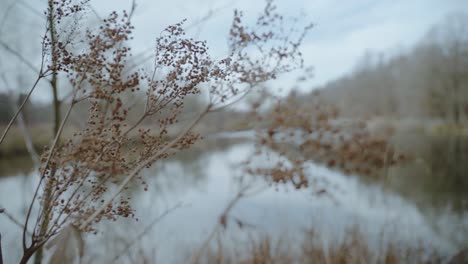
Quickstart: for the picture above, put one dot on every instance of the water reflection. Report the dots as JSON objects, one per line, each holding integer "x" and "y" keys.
{"x": 203, "y": 182}
{"x": 435, "y": 174}
{"x": 438, "y": 175}
{"x": 289, "y": 211}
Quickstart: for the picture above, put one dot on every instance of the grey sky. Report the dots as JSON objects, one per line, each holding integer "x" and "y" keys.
{"x": 343, "y": 30}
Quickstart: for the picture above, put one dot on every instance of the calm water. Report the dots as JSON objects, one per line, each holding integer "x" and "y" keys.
{"x": 205, "y": 183}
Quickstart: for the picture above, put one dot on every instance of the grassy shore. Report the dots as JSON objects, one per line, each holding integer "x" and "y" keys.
{"x": 14, "y": 143}
{"x": 41, "y": 134}
{"x": 354, "y": 248}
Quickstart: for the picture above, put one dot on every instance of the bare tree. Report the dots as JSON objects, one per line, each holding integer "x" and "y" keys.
{"x": 447, "y": 57}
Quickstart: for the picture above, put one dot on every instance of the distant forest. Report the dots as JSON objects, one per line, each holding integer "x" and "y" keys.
{"x": 32, "y": 113}
{"x": 429, "y": 81}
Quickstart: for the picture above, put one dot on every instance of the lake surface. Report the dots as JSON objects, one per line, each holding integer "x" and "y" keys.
{"x": 204, "y": 182}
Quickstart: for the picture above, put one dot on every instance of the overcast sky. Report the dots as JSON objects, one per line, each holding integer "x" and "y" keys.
{"x": 343, "y": 30}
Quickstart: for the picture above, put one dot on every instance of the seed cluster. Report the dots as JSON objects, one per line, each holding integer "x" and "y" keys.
{"x": 82, "y": 172}
{"x": 315, "y": 131}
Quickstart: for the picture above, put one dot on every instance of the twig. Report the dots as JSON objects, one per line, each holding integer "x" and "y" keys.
{"x": 31, "y": 9}
{"x": 20, "y": 108}
{"x": 199, "y": 22}
{"x": 7, "y": 13}
{"x": 242, "y": 96}
{"x": 20, "y": 57}
{"x": 145, "y": 231}
{"x": 12, "y": 218}
{"x": 196, "y": 23}
{"x": 96, "y": 14}
{"x": 221, "y": 223}
{"x": 54, "y": 144}
{"x": 140, "y": 167}
{"x": 1, "y": 255}
{"x": 26, "y": 135}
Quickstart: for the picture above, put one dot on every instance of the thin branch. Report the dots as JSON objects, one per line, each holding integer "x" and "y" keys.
{"x": 12, "y": 219}
{"x": 7, "y": 13}
{"x": 54, "y": 144}
{"x": 221, "y": 223}
{"x": 20, "y": 108}
{"x": 199, "y": 22}
{"x": 141, "y": 166}
{"x": 242, "y": 193}
{"x": 31, "y": 9}
{"x": 27, "y": 138}
{"x": 1, "y": 255}
{"x": 145, "y": 231}
{"x": 210, "y": 14}
{"x": 26, "y": 135}
{"x": 95, "y": 12}
{"x": 57, "y": 136}
{"x": 20, "y": 57}
{"x": 221, "y": 107}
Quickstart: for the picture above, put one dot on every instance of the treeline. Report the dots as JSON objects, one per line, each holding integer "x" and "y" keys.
{"x": 430, "y": 81}
{"x": 33, "y": 112}
{"x": 36, "y": 113}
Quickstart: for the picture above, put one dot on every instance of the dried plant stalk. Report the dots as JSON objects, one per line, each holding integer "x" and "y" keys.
{"x": 83, "y": 178}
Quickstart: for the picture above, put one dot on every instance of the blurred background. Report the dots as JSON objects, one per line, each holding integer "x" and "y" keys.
{"x": 399, "y": 66}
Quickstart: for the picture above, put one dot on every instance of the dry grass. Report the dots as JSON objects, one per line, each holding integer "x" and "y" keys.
{"x": 82, "y": 176}
{"x": 41, "y": 136}
{"x": 354, "y": 249}
{"x": 14, "y": 141}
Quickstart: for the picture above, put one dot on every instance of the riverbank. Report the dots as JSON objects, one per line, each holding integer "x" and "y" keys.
{"x": 14, "y": 142}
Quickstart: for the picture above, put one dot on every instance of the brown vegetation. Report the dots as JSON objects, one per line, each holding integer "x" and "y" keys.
{"x": 354, "y": 249}
{"x": 82, "y": 177}
{"x": 85, "y": 170}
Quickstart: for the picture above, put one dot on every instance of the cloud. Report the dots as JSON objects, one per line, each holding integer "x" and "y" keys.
{"x": 343, "y": 30}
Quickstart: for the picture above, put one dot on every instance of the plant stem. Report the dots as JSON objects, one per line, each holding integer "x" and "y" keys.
{"x": 56, "y": 105}
{"x": 20, "y": 108}
{"x": 140, "y": 167}
{"x": 1, "y": 255}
